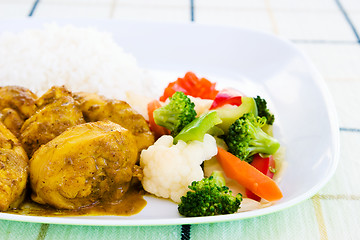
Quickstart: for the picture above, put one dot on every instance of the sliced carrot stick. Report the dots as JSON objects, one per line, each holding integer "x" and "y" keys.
{"x": 156, "y": 129}
{"x": 248, "y": 176}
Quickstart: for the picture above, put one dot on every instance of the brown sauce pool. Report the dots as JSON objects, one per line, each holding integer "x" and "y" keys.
{"x": 130, "y": 204}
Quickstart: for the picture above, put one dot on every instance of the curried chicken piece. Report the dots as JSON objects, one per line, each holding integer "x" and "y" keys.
{"x": 16, "y": 105}
{"x": 98, "y": 108}
{"x": 52, "y": 118}
{"x": 20, "y": 99}
{"x": 13, "y": 170}
{"x": 87, "y": 164}
{"x": 53, "y": 94}
{"x": 11, "y": 120}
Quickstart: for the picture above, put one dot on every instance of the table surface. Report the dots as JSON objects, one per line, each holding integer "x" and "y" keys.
{"x": 326, "y": 30}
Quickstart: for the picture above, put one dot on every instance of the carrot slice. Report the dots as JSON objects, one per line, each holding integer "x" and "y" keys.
{"x": 248, "y": 176}
{"x": 156, "y": 129}
{"x": 264, "y": 165}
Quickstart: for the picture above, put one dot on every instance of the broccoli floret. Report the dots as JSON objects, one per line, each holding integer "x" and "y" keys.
{"x": 175, "y": 115}
{"x": 209, "y": 197}
{"x": 263, "y": 111}
{"x": 246, "y": 138}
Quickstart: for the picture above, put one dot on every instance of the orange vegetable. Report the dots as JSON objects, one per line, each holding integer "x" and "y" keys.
{"x": 248, "y": 176}
{"x": 156, "y": 129}
{"x": 266, "y": 166}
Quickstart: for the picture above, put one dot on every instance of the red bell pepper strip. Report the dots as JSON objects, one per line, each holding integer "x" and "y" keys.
{"x": 264, "y": 165}
{"x": 191, "y": 85}
{"x": 226, "y": 96}
{"x": 171, "y": 89}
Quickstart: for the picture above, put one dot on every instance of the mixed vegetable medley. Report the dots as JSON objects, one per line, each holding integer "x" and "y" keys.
{"x": 194, "y": 122}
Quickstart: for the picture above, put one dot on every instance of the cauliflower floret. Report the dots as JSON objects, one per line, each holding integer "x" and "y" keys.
{"x": 201, "y": 105}
{"x": 169, "y": 169}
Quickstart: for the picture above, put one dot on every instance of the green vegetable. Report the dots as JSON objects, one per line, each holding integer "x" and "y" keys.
{"x": 209, "y": 197}
{"x": 175, "y": 115}
{"x": 198, "y": 128}
{"x": 229, "y": 115}
{"x": 215, "y": 131}
{"x": 263, "y": 111}
{"x": 246, "y": 138}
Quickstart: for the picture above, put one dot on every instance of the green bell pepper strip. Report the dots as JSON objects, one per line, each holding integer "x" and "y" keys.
{"x": 196, "y": 129}
{"x": 230, "y": 115}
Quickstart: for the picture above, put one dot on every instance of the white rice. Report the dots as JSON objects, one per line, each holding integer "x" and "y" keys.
{"x": 83, "y": 59}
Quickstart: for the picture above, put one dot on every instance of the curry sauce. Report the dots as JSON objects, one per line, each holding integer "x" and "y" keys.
{"x": 130, "y": 204}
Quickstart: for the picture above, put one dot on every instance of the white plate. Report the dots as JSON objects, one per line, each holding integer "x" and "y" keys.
{"x": 253, "y": 62}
